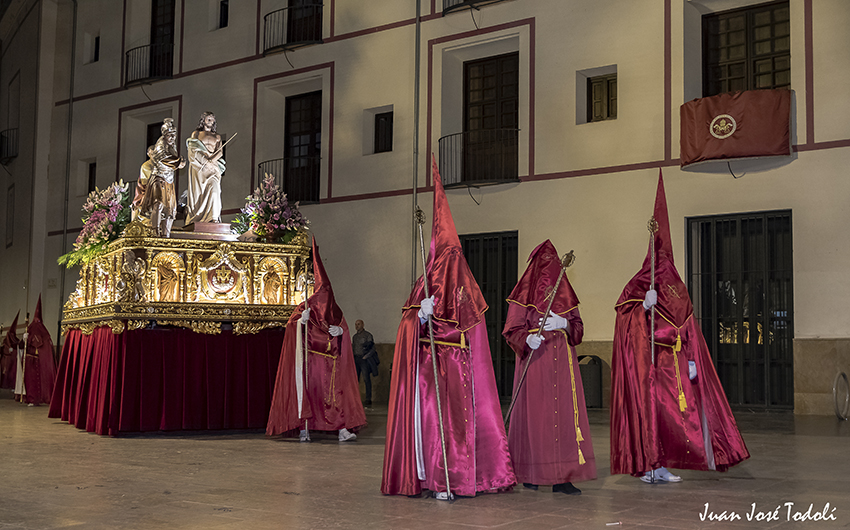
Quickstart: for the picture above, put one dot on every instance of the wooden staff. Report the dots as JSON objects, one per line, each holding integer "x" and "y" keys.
{"x": 420, "y": 220}
{"x": 567, "y": 261}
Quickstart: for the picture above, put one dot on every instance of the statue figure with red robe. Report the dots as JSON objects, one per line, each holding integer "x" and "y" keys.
{"x": 549, "y": 435}
{"x": 316, "y": 387}
{"x": 38, "y": 367}
{"x": 673, "y": 411}
{"x": 475, "y": 443}
{"x": 9, "y": 356}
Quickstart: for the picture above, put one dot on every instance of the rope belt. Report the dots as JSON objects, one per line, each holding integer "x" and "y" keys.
{"x": 330, "y": 399}
{"x": 677, "y": 347}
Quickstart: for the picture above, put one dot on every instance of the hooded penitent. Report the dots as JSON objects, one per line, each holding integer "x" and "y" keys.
{"x": 549, "y": 435}
{"x": 39, "y": 369}
{"x": 476, "y": 445}
{"x": 321, "y": 387}
{"x": 8, "y": 356}
{"x": 660, "y": 417}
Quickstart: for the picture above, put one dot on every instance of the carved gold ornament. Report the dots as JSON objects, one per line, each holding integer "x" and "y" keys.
{"x": 202, "y": 285}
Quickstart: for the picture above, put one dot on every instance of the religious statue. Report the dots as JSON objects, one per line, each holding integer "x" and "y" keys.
{"x": 271, "y": 287}
{"x": 168, "y": 283}
{"x": 155, "y": 203}
{"x": 206, "y": 167}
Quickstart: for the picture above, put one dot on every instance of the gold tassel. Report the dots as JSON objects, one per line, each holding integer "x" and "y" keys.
{"x": 581, "y": 460}
{"x": 579, "y": 437}
{"x": 678, "y": 347}
{"x": 462, "y": 340}
{"x": 682, "y": 403}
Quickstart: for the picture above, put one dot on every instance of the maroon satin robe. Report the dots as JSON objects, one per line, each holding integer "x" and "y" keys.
{"x": 39, "y": 367}
{"x": 549, "y": 428}
{"x": 331, "y": 393}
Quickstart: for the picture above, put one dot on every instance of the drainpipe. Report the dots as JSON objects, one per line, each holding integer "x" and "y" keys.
{"x": 415, "y": 140}
{"x": 64, "y": 271}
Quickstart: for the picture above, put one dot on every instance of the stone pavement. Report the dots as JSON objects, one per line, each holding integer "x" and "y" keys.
{"x": 53, "y": 475}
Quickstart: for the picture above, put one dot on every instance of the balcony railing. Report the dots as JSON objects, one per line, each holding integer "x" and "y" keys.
{"x": 8, "y": 145}
{"x": 457, "y": 5}
{"x": 298, "y": 176}
{"x": 292, "y": 27}
{"x": 479, "y": 158}
{"x": 148, "y": 63}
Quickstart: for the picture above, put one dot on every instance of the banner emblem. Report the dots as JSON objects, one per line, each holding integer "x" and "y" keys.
{"x": 723, "y": 126}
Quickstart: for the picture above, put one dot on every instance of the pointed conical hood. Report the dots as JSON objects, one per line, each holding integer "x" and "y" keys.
{"x": 457, "y": 297}
{"x": 323, "y": 307}
{"x": 673, "y": 299}
{"x": 11, "y": 339}
{"x": 534, "y": 287}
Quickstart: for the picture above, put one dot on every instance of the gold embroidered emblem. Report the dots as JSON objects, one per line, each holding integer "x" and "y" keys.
{"x": 723, "y": 126}
{"x": 674, "y": 291}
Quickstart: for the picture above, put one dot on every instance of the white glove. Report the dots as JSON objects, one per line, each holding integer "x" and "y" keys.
{"x": 426, "y": 308}
{"x": 554, "y": 322}
{"x": 533, "y": 341}
{"x": 26, "y": 337}
{"x": 651, "y": 299}
{"x": 335, "y": 331}
{"x": 692, "y": 370}
{"x": 305, "y": 316}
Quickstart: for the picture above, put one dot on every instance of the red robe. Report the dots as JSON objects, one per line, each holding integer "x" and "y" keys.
{"x": 9, "y": 355}
{"x": 659, "y": 417}
{"x": 331, "y": 392}
{"x": 476, "y": 445}
{"x": 549, "y": 434}
{"x": 39, "y": 368}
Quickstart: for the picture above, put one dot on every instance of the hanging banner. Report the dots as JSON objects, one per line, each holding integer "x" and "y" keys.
{"x": 749, "y": 124}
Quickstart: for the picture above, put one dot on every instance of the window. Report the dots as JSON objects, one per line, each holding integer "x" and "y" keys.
{"x": 602, "y": 98}
{"x": 747, "y": 49}
{"x": 92, "y": 176}
{"x": 223, "y": 13}
{"x": 303, "y": 147}
{"x": 384, "y": 132}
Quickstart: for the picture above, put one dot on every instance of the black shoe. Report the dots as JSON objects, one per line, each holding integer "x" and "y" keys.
{"x": 566, "y": 487}
{"x": 368, "y": 403}
{"x": 530, "y": 486}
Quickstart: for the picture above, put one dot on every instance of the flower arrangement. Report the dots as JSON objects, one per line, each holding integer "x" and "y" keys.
{"x": 105, "y": 215}
{"x": 269, "y": 214}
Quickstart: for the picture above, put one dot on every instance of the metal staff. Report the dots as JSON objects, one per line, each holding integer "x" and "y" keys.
{"x": 420, "y": 220}
{"x": 306, "y": 350}
{"x": 568, "y": 259}
{"x": 652, "y": 226}
{"x": 217, "y": 151}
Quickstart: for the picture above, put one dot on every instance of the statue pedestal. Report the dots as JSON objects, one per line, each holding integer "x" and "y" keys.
{"x": 197, "y": 283}
{"x": 211, "y": 231}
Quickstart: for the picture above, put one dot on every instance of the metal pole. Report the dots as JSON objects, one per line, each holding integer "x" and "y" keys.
{"x": 420, "y": 219}
{"x": 416, "y": 66}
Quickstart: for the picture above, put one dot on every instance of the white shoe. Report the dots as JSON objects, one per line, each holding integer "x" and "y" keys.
{"x": 441, "y": 495}
{"x": 304, "y": 436}
{"x": 663, "y": 474}
{"x": 346, "y": 436}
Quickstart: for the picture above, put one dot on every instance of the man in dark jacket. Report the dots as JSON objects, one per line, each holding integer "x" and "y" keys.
{"x": 365, "y": 357}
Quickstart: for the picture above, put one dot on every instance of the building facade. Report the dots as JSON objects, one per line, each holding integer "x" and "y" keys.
{"x": 549, "y": 119}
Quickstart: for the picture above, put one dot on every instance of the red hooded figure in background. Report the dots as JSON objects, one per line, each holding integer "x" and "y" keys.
{"x": 673, "y": 412}
{"x": 39, "y": 371}
{"x": 475, "y": 441}
{"x": 316, "y": 389}
{"x": 9, "y": 356}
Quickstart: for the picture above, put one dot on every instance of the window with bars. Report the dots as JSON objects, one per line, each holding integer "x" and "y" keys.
{"x": 747, "y": 49}
{"x": 383, "y": 132}
{"x": 602, "y": 98}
